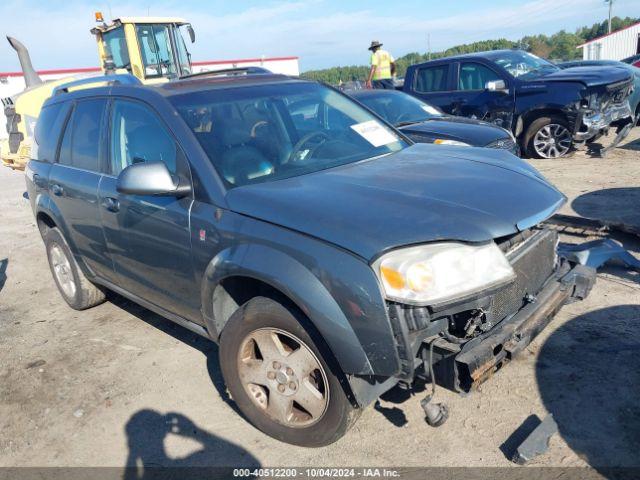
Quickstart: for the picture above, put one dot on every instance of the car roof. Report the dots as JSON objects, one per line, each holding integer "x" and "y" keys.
{"x": 199, "y": 83}
{"x": 196, "y": 83}
{"x": 484, "y": 54}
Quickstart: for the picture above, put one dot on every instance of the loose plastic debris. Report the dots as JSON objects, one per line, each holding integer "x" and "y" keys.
{"x": 597, "y": 252}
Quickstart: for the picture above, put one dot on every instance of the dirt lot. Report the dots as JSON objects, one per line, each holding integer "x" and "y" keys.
{"x": 103, "y": 387}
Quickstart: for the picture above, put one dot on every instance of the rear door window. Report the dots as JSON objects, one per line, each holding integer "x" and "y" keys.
{"x": 80, "y": 146}
{"x": 47, "y": 131}
{"x": 138, "y": 135}
{"x": 474, "y": 76}
{"x": 432, "y": 79}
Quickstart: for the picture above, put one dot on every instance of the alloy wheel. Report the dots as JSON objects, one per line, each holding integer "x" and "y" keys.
{"x": 552, "y": 141}
{"x": 62, "y": 271}
{"x": 283, "y": 377}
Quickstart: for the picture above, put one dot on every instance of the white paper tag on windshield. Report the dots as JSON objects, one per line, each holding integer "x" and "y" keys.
{"x": 430, "y": 109}
{"x": 374, "y": 133}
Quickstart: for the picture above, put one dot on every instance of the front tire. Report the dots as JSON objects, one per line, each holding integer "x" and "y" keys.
{"x": 74, "y": 287}
{"x": 278, "y": 377}
{"x": 548, "y": 137}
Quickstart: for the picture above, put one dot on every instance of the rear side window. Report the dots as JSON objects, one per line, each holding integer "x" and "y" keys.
{"x": 474, "y": 76}
{"x": 47, "y": 131}
{"x": 138, "y": 135}
{"x": 432, "y": 79}
{"x": 81, "y": 143}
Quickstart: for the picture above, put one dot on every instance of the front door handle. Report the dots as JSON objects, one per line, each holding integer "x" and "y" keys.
{"x": 111, "y": 204}
{"x": 57, "y": 190}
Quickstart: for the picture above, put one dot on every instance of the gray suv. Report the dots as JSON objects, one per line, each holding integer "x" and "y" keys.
{"x": 320, "y": 248}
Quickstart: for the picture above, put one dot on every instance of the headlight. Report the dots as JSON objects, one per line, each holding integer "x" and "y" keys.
{"x": 442, "y": 141}
{"x": 438, "y": 272}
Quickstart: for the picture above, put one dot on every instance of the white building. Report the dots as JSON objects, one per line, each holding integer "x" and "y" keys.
{"x": 613, "y": 46}
{"x": 13, "y": 82}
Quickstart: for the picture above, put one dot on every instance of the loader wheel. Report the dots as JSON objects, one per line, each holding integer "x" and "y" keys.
{"x": 548, "y": 137}
{"x": 279, "y": 379}
{"x": 74, "y": 287}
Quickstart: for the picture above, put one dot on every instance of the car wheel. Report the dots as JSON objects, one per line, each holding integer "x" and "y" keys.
{"x": 548, "y": 137}
{"x": 278, "y": 377}
{"x": 74, "y": 287}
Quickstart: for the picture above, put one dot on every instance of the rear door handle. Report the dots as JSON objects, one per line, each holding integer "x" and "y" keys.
{"x": 57, "y": 190}
{"x": 111, "y": 204}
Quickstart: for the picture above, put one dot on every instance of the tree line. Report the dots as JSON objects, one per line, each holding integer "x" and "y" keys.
{"x": 560, "y": 46}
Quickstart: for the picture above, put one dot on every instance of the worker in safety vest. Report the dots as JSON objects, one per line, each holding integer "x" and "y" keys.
{"x": 383, "y": 67}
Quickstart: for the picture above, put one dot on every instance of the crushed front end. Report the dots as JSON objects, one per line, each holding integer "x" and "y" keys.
{"x": 602, "y": 107}
{"x": 478, "y": 335}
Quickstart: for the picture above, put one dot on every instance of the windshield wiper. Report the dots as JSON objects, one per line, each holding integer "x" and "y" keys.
{"x": 405, "y": 123}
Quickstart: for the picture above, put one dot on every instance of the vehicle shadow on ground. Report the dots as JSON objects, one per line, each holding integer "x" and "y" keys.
{"x": 588, "y": 372}
{"x": 634, "y": 145}
{"x": 147, "y": 430}
{"x": 3, "y": 272}
{"x": 613, "y": 205}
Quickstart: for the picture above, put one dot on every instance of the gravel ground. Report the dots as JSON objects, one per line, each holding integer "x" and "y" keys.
{"x": 117, "y": 385}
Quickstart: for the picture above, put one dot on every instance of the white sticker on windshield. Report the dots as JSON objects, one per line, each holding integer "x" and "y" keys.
{"x": 430, "y": 109}
{"x": 374, "y": 133}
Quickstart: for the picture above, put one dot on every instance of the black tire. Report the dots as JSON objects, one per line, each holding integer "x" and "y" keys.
{"x": 85, "y": 294}
{"x": 259, "y": 313}
{"x": 537, "y": 125}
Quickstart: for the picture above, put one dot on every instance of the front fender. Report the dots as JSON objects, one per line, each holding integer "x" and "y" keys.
{"x": 300, "y": 285}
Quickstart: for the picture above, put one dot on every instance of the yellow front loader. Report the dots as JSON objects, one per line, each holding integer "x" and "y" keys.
{"x": 151, "y": 48}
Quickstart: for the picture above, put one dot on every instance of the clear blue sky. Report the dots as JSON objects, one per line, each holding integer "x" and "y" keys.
{"x": 322, "y": 33}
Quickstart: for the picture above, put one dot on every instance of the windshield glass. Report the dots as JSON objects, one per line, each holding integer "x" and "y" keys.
{"x": 263, "y": 133}
{"x": 398, "y": 108}
{"x": 155, "y": 48}
{"x": 522, "y": 64}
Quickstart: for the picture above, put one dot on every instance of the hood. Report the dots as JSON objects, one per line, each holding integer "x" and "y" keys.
{"x": 421, "y": 194}
{"x": 590, "y": 76}
{"x": 468, "y": 130}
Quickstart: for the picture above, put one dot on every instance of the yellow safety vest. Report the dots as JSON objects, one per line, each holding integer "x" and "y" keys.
{"x": 382, "y": 60}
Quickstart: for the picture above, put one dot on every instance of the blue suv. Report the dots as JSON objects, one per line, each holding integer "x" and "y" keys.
{"x": 323, "y": 250}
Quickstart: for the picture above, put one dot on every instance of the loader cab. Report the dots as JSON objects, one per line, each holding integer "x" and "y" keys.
{"x": 151, "y": 48}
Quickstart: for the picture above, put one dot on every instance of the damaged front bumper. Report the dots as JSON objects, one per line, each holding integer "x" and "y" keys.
{"x": 482, "y": 356}
{"x": 591, "y": 123}
{"x": 504, "y": 321}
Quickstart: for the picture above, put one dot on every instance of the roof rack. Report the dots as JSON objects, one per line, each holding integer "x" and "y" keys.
{"x": 230, "y": 71}
{"x": 113, "y": 79}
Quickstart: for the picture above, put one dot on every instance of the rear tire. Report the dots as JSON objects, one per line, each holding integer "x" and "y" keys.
{"x": 294, "y": 401}
{"x": 548, "y": 137}
{"x": 74, "y": 287}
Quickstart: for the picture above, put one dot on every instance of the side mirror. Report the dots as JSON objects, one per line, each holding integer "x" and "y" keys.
{"x": 150, "y": 178}
{"x": 192, "y": 34}
{"x": 496, "y": 86}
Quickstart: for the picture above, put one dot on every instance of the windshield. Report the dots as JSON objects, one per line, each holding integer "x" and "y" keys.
{"x": 522, "y": 64}
{"x": 263, "y": 133}
{"x": 398, "y": 108}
